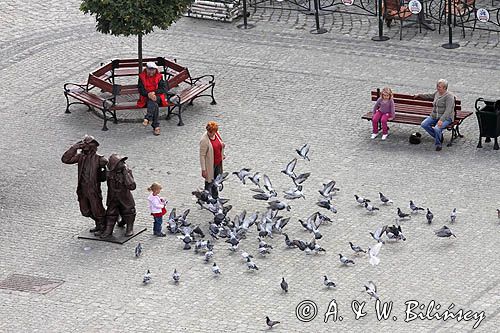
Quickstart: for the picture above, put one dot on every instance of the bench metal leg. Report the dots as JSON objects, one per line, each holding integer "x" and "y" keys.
{"x": 495, "y": 146}
{"x": 479, "y": 144}
{"x": 180, "y": 115}
{"x": 104, "y": 127}
{"x": 115, "y": 120}
{"x": 67, "y": 103}
{"x": 169, "y": 112}
{"x": 212, "y": 94}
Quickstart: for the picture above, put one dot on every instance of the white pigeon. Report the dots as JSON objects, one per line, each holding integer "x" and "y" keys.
{"x": 373, "y": 253}
{"x": 147, "y": 277}
{"x": 371, "y": 289}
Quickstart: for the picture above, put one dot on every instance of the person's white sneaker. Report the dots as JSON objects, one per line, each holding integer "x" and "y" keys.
{"x": 384, "y": 136}
{"x": 374, "y": 135}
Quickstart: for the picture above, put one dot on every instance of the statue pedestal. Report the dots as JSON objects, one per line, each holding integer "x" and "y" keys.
{"x": 117, "y": 237}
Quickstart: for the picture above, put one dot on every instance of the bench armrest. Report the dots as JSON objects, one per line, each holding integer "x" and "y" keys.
{"x": 83, "y": 86}
{"x": 196, "y": 79}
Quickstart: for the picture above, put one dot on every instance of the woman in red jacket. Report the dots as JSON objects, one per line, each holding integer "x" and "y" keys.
{"x": 152, "y": 90}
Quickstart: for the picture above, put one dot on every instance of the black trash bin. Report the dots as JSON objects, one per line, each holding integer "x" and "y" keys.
{"x": 488, "y": 118}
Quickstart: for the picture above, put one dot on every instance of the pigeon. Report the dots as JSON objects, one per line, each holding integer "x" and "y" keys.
{"x": 328, "y": 189}
{"x": 371, "y": 289}
{"x": 284, "y": 285}
{"x": 288, "y": 242}
{"x": 245, "y": 255}
{"x": 176, "y": 276}
{"x": 377, "y": 235}
{"x": 288, "y": 170}
{"x": 138, "y": 250}
{"x": 444, "y": 232}
{"x": 147, "y": 278}
{"x": 498, "y": 213}
{"x": 395, "y": 232}
{"x": 242, "y": 174}
{"x": 268, "y": 186}
{"x": 303, "y": 151}
{"x": 278, "y": 205}
{"x": 208, "y": 255}
{"x": 356, "y": 248}
{"x": 263, "y": 251}
{"x": 328, "y": 283}
{"x": 414, "y": 207}
{"x": 360, "y": 200}
{"x": 370, "y": 208}
{"x": 215, "y": 269}
{"x": 325, "y": 203}
{"x": 453, "y": 215}
{"x": 300, "y": 244}
{"x": 373, "y": 253}
{"x": 384, "y": 199}
{"x": 402, "y": 215}
{"x": 301, "y": 178}
{"x": 251, "y": 264}
{"x": 294, "y": 193}
{"x": 429, "y": 216}
{"x": 345, "y": 260}
{"x": 270, "y": 323}
{"x": 255, "y": 179}
{"x": 217, "y": 182}
{"x": 264, "y": 196}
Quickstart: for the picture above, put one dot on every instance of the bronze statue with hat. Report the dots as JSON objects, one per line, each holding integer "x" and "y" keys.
{"x": 120, "y": 201}
{"x": 91, "y": 172}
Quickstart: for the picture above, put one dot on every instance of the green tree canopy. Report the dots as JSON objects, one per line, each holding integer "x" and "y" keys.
{"x": 134, "y": 17}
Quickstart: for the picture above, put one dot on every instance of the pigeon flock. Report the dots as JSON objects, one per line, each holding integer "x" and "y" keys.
{"x": 224, "y": 233}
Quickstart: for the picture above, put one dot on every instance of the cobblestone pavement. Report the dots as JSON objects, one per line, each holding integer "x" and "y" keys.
{"x": 278, "y": 86}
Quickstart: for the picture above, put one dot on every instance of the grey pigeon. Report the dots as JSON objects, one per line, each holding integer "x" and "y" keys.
{"x": 242, "y": 174}
{"x": 279, "y": 205}
{"x": 255, "y": 179}
{"x": 176, "y": 276}
{"x": 444, "y": 232}
{"x": 284, "y": 285}
{"x": 384, "y": 199}
{"x": 217, "y": 182}
{"x": 270, "y": 323}
{"x": 345, "y": 260}
{"x": 138, "y": 250}
{"x": 288, "y": 242}
{"x": 264, "y": 196}
{"x": 215, "y": 269}
{"x": 360, "y": 200}
{"x": 288, "y": 170}
{"x": 370, "y": 208}
{"x": 328, "y": 283}
{"x": 356, "y": 248}
{"x": 245, "y": 255}
{"x": 371, "y": 289}
{"x": 402, "y": 215}
{"x": 267, "y": 185}
{"x": 301, "y": 178}
{"x": 294, "y": 193}
{"x": 414, "y": 208}
{"x": 328, "y": 189}
{"x": 303, "y": 151}
{"x": 377, "y": 235}
{"x": 395, "y": 232}
{"x": 325, "y": 203}
{"x": 251, "y": 264}
{"x": 453, "y": 215}
{"x": 429, "y": 216}
{"x": 147, "y": 277}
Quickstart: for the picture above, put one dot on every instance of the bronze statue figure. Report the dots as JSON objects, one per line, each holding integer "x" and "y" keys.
{"x": 120, "y": 201}
{"x": 91, "y": 172}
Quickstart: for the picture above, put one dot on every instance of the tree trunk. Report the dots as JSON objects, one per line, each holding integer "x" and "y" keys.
{"x": 139, "y": 49}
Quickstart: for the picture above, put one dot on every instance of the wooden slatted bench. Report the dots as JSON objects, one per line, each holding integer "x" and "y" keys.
{"x": 109, "y": 104}
{"x": 413, "y": 111}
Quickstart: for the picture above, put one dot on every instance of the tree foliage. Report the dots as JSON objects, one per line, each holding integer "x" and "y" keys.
{"x": 133, "y": 17}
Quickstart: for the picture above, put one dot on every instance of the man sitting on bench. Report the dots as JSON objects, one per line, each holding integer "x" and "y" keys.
{"x": 152, "y": 90}
{"x": 442, "y": 112}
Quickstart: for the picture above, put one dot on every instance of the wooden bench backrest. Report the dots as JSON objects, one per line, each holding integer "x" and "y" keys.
{"x": 392, "y": 5}
{"x": 177, "y": 79}
{"x": 103, "y": 70}
{"x": 409, "y": 100}
{"x": 103, "y": 85}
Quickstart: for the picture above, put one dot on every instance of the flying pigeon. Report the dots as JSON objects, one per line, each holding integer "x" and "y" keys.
{"x": 301, "y": 178}
{"x": 371, "y": 289}
{"x": 138, "y": 250}
{"x": 288, "y": 170}
{"x": 270, "y": 323}
{"x": 279, "y": 205}
{"x": 303, "y": 151}
{"x": 294, "y": 193}
{"x": 284, "y": 285}
{"x": 325, "y": 203}
{"x": 444, "y": 232}
{"x": 147, "y": 277}
{"x": 377, "y": 235}
{"x": 255, "y": 179}
{"x": 373, "y": 253}
{"x": 328, "y": 189}
{"x": 356, "y": 248}
{"x": 176, "y": 276}
{"x": 242, "y": 174}
{"x": 345, "y": 260}
{"x": 328, "y": 283}
{"x": 384, "y": 199}
{"x": 429, "y": 216}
